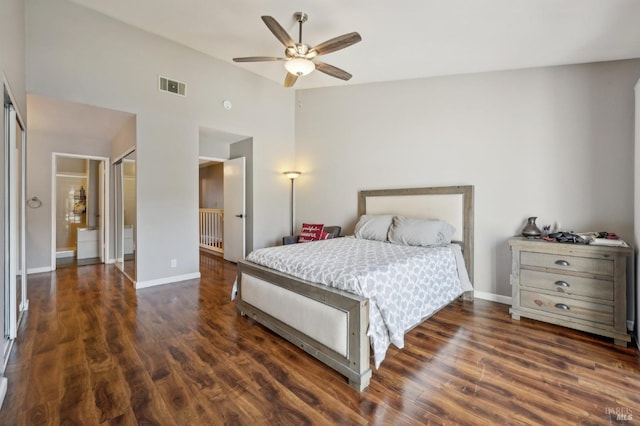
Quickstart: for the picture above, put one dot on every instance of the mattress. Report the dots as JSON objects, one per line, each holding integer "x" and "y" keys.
{"x": 404, "y": 284}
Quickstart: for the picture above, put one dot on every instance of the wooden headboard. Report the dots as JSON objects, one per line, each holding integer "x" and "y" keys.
{"x": 453, "y": 204}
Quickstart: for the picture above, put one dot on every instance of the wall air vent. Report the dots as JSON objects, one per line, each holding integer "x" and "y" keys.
{"x": 173, "y": 86}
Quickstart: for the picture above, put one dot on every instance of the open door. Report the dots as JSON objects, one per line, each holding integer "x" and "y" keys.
{"x": 234, "y": 209}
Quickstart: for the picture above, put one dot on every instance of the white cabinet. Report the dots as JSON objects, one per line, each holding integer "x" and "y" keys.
{"x": 87, "y": 245}
{"x": 128, "y": 240}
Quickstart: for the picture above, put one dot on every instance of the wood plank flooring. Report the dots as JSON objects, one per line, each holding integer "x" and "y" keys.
{"x": 91, "y": 350}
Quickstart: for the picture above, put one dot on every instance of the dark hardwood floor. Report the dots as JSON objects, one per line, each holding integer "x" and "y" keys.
{"x": 91, "y": 350}
{"x": 72, "y": 262}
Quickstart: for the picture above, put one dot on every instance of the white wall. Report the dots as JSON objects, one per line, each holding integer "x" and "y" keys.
{"x": 125, "y": 140}
{"x": 12, "y": 51}
{"x": 41, "y": 146}
{"x": 556, "y": 143}
{"x": 79, "y": 55}
{"x": 211, "y": 181}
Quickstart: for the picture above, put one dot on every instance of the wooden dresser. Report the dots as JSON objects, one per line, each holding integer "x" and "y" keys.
{"x": 573, "y": 285}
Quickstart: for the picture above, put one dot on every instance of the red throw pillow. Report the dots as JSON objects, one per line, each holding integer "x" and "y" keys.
{"x": 310, "y": 232}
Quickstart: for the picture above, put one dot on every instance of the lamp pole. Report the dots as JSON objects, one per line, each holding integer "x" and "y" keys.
{"x": 292, "y": 175}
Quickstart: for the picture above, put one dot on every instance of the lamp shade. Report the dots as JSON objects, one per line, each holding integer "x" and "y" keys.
{"x": 299, "y": 66}
{"x": 292, "y": 174}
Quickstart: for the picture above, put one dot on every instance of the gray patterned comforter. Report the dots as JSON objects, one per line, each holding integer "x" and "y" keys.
{"x": 404, "y": 284}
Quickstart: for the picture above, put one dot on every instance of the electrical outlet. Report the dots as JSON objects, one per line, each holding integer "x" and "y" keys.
{"x": 174, "y": 263}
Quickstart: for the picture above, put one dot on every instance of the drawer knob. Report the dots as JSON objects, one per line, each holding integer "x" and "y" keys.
{"x": 562, "y": 284}
{"x": 562, "y": 262}
{"x": 562, "y": 306}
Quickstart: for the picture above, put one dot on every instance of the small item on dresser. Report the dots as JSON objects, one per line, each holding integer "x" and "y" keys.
{"x": 613, "y": 242}
{"x": 603, "y": 239}
{"x": 608, "y": 235}
{"x": 568, "y": 237}
{"x": 531, "y": 230}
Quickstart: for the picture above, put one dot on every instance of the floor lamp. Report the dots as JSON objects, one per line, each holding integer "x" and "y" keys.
{"x": 292, "y": 175}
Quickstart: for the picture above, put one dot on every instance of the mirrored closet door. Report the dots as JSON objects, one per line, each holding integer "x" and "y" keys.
{"x": 125, "y": 209}
{"x": 14, "y": 295}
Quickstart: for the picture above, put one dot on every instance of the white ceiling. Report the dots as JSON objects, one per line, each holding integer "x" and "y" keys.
{"x": 400, "y": 39}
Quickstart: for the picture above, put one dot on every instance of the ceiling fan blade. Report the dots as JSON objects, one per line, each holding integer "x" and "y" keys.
{"x": 336, "y": 43}
{"x": 258, "y": 59}
{"x": 278, "y": 31}
{"x": 332, "y": 71}
{"x": 290, "y": 80}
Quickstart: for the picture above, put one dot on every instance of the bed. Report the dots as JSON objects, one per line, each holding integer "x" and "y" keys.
{"x": 332, "y": 324}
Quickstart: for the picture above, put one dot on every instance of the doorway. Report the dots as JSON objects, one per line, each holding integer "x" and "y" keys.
{"x": 222, "y": 185}
{"x": 223, "y": 147}
{"x": 211, "y": 205}
{"x": 80, "y": 213}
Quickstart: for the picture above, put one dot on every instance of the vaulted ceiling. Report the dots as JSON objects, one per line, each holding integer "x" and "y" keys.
{"x": 400, "y": 40}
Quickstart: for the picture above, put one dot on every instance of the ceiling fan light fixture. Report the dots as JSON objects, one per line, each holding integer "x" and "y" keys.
{"x": 299, "y": 66}
{"x": 300, "y": 58}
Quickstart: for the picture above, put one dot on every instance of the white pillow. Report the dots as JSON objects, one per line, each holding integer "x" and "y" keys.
{"x": 420, "y": 232}
{"x": 373, "y": 227}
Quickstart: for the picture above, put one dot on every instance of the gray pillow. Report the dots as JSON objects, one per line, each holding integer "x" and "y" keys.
{"x": 420, "y": 232}
{"x": 373, "y": 227}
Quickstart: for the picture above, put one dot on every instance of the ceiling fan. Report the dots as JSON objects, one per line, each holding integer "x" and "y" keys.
{"x": 300, "y": 58}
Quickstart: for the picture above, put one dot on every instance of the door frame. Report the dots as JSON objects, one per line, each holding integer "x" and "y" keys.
{"x": 104, "y": 206}
{"x": 13, "y": 196}
{"x": 216, "y": 160}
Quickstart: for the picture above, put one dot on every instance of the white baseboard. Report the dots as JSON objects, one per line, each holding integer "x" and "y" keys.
{"x": 39, "y": 270}
{"x": 505, "y": 300}
{"x": 4, "y": 383}
{"x": 65, "y": 253}
{"x": 167, "y": 280}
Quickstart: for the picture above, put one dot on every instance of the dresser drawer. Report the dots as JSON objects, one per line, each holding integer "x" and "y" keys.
{"x": 567, "y": 284}
{"x": 567, "y": 263}
{"x": 593, "y": 312}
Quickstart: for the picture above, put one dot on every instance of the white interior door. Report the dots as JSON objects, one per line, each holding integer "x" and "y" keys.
{"x": 234, "y": 209}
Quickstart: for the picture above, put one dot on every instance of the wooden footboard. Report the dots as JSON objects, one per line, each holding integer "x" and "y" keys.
{"x": 329, "y": 324}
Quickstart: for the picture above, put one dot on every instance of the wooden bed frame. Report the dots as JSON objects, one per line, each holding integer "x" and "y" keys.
{"x": 294, "y": 308}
